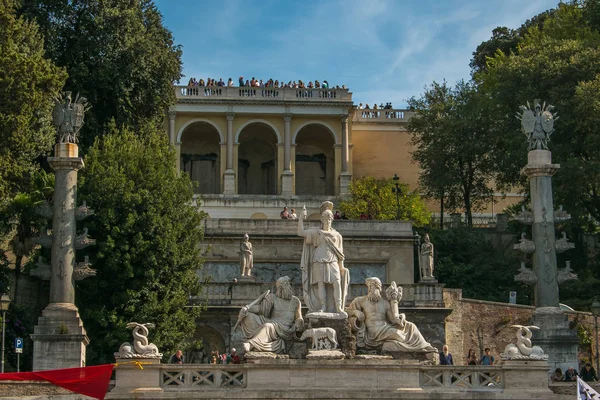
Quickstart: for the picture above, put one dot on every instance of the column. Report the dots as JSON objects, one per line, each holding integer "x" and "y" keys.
{"x": 229, "y": 175}
{"x": 539, "y": 170}
{"x": 345, "y": 176}
{"x": 344, "y": 143}
{"x": 172, "y": 115}
{"x": 287, "y": 177}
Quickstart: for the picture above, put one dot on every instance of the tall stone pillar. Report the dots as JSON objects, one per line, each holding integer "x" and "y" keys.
{"x": 59, "y": 339}
{"x": 287, "y": 178}
{"x": 345, "y": 175}
{"x": 172, "y": 115}
{"x": 539, "y": 170}
{"x": 554, "y": 336}
{"x": 229, "y": 175}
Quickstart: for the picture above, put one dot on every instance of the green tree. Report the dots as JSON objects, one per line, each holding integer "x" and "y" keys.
{"x": 118, "y": 54}
{"x": 147, "y": 229}
{"x": 374, "y": 197}
{"x": 20, "y": 224}
{"x": 451, "y": 135}
{"x": 560, "y": 64}
{"x": 28, "y": 84}
{"x": 466, "y": 259}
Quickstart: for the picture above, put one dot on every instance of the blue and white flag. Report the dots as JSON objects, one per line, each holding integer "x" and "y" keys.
{"x": 585, "y": 391}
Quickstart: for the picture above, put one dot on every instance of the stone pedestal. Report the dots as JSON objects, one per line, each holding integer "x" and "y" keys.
{"x": 555, "y": 337}
{"x": 287, "y": 180}
{"x": 346, "y": 341}
{"x": 523, "y": 378}
{"x": 345, "y": 178}
{"x": 59, "y": 339}
{"x": 137, "y": 375}
{"x": 229, "y": 182}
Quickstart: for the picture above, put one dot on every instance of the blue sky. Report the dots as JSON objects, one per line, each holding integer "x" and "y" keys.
{"x": 383, "y": 50}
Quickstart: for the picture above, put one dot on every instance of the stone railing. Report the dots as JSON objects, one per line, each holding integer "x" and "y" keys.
{"x": 462, "y": 377}
{"x": 202, "y": 376}
{"x": 260, "y": 93}
{"x": 382, "y": 115}
{"x": 332, "y": 379}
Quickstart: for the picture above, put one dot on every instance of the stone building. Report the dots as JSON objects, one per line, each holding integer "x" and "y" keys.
{"x": 253, "y": 151}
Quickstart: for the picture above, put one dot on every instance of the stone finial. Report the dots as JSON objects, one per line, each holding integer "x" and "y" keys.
{"x": 525, "y": 216}
{"x": 83, "y": 270}
{"x": 526, "y": 275}
{"x": 537, "y": 123}
{"x": 141, "y": 348}
{"x": 523, "y": 350}
{"x": 82, "y": 241}
{"x": 83, "y": 211}
{"x": 561, "y": 215}
{"x": 565, "y": 274}
{"x": 563, "y": 244}
{"x": 525, "y": 245}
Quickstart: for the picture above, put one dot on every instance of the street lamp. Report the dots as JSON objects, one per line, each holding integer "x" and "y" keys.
{"x": 596, "y": 312}
{"x": 397, "y": 190}
{"x": 4, "y": 303}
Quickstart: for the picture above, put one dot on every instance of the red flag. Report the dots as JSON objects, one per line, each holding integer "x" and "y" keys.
{"x": 90, "y": 381}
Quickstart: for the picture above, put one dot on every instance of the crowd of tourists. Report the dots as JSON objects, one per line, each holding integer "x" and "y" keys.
{"x": 587, "y": 374}
{"x": 300, "y": 84}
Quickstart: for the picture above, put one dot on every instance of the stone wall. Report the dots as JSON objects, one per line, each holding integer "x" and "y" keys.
{"x": 477, "y": 324}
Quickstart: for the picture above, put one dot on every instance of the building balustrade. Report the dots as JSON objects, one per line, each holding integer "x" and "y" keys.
{"x": 202, "y": 376}
{"x": 262, "y": 93}
{"x": 382, "y": 115}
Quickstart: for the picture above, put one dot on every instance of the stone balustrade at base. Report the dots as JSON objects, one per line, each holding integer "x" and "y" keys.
{"x": 297, "y": 379}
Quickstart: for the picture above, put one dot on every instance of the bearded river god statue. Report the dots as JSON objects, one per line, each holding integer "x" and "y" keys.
{"x": 379, "y": 325}
{"x": 271, "y": 319}
{"x": 324, "y": 279}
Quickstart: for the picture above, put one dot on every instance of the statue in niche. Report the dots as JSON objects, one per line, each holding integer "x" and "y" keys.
{"x": 246, "y": 258}
{"x": 379, "y": 325}
{"x": 426, "y": 255}
{"x": 324, "y": 279}
{"x": 271, "y": 319}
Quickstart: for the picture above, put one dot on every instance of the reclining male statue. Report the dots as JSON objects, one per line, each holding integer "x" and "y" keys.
{"x": 271, "y": 319}
{"x": 379, "y": 325}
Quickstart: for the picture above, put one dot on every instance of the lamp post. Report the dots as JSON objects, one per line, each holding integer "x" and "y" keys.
{"x": 4, "y": 303}
{"x": 397, "y": 190}
{"x": 596, "y": 312}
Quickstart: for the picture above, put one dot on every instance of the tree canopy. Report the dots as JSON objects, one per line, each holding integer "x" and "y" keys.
{"x": 28, "y": 84}
{"x": 147, "y": 232}
{"x": 559, "y": 63}
{"x": 375, "y": 199}
{"x": 451, "y": 135}
{"x": 117, "y": 54}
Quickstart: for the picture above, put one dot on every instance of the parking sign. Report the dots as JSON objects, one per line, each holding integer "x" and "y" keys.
{"x": 18, "y": 345}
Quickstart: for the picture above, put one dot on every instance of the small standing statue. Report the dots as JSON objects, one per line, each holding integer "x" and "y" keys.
{"x": 246, "y": 258}
{"x": 537, "y": 124}
{"x": 427, "y": 259}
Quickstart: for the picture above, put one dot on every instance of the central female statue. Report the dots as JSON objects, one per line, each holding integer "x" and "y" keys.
{"x": 324, "y": 278}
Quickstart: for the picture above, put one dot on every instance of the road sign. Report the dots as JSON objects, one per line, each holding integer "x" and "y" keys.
{"x": 18, "y": 345}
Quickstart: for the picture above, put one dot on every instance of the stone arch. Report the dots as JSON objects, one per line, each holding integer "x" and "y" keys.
{"x": 211, "y": 340}
{"x": 316, "y": 122}
{"x": 200, "y": 156}
{"x": 257, "y": 159}
{"x": 254, "y": 121}
{"x": 315, "y": 161}
{"x": 259, "y": 215}
{"x": 193, "y": 121}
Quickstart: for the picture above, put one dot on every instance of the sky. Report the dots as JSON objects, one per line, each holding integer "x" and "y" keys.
{"x": 382, "y": 50}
